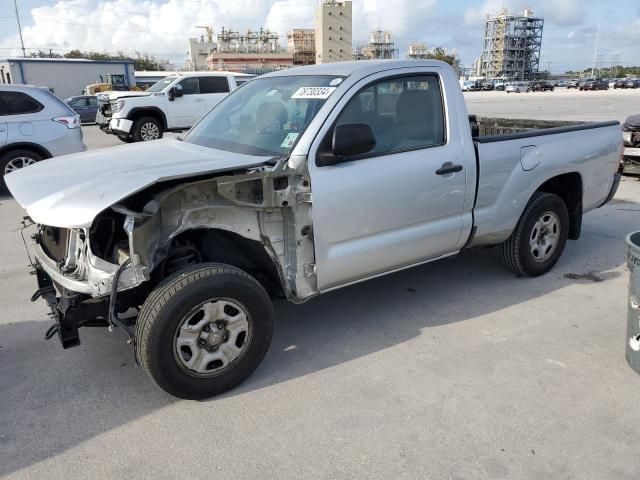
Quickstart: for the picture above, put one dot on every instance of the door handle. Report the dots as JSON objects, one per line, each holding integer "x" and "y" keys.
{"x": 447, "y": 168}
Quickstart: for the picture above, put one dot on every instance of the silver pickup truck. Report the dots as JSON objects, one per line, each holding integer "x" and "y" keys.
{"x": 300, "y": 182}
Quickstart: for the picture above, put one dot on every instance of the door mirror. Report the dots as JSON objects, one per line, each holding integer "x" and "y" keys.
{"x": 175, "y": 92}
{"x": 351, "y": 139}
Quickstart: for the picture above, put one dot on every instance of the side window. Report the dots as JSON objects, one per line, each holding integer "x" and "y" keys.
{"x": 93, "y": 101}
{"x": 16, "y": 103}
{"x": 213, "y": 84}
{"x": 404, "y": 113}
{"x": 80, "y": 102}
{"x": 190, "y": 86}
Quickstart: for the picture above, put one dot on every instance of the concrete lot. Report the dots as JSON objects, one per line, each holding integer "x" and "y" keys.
{"x": 561, "y": 104}
{"x": 453, "y": 370}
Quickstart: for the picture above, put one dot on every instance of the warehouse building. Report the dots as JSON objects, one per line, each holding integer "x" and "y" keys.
{"x": 65, "y": 77}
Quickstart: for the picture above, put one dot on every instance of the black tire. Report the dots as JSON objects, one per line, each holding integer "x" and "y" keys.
{"x": 166, "y": 309}
{"x": 9, "y": 158}
{"x": 143, "y": 124}
{"x": 516, "y": 252}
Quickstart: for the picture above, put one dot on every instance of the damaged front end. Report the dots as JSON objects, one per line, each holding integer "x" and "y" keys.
{"x": 257, "y": 219}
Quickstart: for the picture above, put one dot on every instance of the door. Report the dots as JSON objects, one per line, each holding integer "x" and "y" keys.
{"x": 81, "y": 107}
{"x": 213, "y": 89}
{"x": 402, "y": 203}
{"x": 184, "y": 111}
{"x": 92, "y": 109}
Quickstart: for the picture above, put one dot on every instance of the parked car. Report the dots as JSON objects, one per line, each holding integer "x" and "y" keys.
{"x": 573, "y": 84}
{"x": 34, "y": 125}
{"x": 561, "y": 84}
{"x": 84, "y": 105}
{"x": 632, "y": 83}
{"x": 620, "y": 83}
{"x": 173, "y": 104}
{"x": 486, "y": 86}
{"x": 594, "y": 84}
{"x": 631, "y": 137}
{"x": 542, "y": 87}
{"x": 301, "y": 182}
{"x": 517, "y": 87}
{"x": 499, "y": 86}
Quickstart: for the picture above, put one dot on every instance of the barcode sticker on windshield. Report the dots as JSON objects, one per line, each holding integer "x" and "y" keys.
{"x": 314, "y": 92}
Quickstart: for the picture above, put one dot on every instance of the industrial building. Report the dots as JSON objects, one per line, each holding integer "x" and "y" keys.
{"x": 333, "y": 31}
{"x": 512, "y": 46}
{"x": 254, "y": 52}
{"x": 199, "y": 50}
{"x": 301, "y": 43}
{"x": 380, "y": 47}
{"x": 65, "y": 77}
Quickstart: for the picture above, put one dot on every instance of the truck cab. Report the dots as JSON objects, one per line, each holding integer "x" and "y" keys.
{"x": 174, "y": 103}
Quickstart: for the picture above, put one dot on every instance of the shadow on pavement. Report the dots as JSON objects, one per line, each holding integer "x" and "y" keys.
{"x": 52, "y": 400}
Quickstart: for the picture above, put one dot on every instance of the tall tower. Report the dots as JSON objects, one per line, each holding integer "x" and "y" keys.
{"x": 512, "y": 45}
{"x": 333, "y": 31}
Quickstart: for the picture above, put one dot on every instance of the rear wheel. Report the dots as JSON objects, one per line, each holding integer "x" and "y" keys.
{"x": 15, "y": 160}
{"x": 204, "y": 330}
{"x": 146, "y": 129}
{"x": 538, "y": 240}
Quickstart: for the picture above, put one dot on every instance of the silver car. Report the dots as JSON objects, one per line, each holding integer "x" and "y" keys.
{"x": 34, "y": 125}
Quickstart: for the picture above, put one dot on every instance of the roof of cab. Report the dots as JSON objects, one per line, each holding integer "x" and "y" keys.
{"x": 358, "y": 67}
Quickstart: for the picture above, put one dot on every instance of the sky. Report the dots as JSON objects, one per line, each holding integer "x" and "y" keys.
{"x": 162, "y": 27}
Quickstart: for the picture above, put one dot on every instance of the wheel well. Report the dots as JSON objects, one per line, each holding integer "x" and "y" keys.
{"x": 221, "y": 246}
{"x": 568, "y": 187}
{"x": 138, "y": 113}
{"x": 25, "y": 146}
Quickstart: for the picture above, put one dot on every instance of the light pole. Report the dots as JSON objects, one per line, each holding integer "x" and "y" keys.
{"x": 595, "y": 51}
{"x": 15, "y": 4}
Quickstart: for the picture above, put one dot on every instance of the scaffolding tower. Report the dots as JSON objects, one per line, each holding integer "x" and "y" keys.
{"x": 417, "y": 51}
{"x": 301, "y": 42}
{"x": 512, "y": 45}
{"x": 380, "y": 46}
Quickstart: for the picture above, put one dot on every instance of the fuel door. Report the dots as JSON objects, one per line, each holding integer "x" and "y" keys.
{"x": 529, "y": 157}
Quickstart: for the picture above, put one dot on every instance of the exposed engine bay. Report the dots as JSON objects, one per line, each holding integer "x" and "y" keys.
{"x": 257, "y": 220}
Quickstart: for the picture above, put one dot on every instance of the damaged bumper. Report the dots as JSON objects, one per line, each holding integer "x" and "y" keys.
{"x": 70, "y": 310}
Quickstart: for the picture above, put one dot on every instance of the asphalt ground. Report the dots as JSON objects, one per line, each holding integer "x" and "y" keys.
{"x": 452, "y": 370}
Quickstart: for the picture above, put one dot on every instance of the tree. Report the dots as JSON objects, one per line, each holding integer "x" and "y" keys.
{"x": 43, "y": 54}
{"x": 452, "y": 59}
{"x": 140, "y": 63}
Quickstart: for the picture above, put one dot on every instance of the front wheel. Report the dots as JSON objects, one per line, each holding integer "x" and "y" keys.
{"x": 146, "y": 129}
{"x": 538, "y": 240}
{"x": 204, "y": 330}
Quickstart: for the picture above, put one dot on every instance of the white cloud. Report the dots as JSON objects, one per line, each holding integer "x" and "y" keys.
{"x": 156, "y": 27}
{"x": 557, "y": 12}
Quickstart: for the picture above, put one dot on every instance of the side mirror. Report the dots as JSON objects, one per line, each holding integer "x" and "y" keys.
{"x": 177, "y": 91}
{"x": 349, "y": 140}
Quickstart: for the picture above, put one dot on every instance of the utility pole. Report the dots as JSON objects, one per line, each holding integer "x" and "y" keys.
{"x": 15, "y": 4}
{"x": 595, "y": 51}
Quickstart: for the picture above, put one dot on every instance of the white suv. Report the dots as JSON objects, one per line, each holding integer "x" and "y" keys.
{"x": 34, "y": 125}
{"x": 175, "y": 103}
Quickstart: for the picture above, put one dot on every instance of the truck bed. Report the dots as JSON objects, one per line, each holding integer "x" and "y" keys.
{"x": 493, "y": 129}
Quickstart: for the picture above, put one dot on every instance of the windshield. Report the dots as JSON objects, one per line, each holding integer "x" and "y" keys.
{"x": 264, "y": 117}
{"x": 161, "y": 85}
